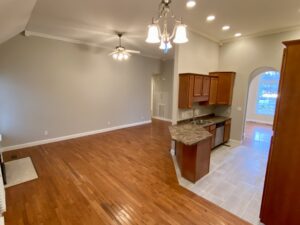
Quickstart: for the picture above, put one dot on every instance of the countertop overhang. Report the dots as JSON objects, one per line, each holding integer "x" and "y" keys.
{"x": 191, "y": 134}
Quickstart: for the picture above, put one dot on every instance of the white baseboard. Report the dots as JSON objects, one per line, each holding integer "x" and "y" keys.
{"x": 161, "y": 118}
{"x": 236, "y": 141}
{"x": 72, "y": 136}
{"x": 259, "y": 121}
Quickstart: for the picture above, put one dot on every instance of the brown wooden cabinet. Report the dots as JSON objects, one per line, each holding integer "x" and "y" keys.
{"x": 194, "y": 160}
{"x": 281, "y": 196}
{"x": 213, "y": 90}
{"x": 227, "y": 129}
{"x": 225, "y": 84}
{"x": 193, "y": 88}
{"x": 206, "y": 87}
{"x": 212, "y": 130}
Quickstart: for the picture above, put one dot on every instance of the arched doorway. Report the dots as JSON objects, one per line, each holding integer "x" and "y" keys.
{"x": 261, "y": 104}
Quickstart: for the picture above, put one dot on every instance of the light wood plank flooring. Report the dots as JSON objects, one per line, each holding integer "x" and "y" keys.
{"x": 121, "y": 177}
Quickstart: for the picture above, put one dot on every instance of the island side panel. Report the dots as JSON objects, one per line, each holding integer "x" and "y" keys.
{"x": 203, "y": 158}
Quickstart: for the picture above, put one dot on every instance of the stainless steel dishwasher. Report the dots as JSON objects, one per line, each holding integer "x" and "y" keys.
{"x": 219, "y": 134}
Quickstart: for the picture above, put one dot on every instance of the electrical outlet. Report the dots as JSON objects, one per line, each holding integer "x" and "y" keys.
{"x": 0, "y": 137}
{"x": 46, "y": 133}
{"x": 108, "y": 122}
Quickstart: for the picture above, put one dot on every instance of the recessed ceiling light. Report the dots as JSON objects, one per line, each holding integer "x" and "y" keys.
{"x": 226, "y": 27}
{"x": 190, "y": 4}
{"x": 238, "y": 35}
{"x": 210, "y": 18}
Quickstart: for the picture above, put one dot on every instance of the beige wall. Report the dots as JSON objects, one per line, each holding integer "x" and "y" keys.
{"x": 245, "y": 56}
{"x": 162, "y": 91}
{"x": 64, "y": 88}
{"x": 199, "y": 55}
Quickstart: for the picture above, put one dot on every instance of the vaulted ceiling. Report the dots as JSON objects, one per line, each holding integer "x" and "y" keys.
{"x": 14, "y": 16}
{"x": 95, "y": 21}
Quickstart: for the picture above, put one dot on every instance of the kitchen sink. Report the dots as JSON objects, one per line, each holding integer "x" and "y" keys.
{"x": 201, "y": 122}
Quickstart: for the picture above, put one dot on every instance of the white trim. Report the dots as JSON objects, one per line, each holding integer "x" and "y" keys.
{"x": 72, "y": 136}
{"x": 161, "y": 118}
{"x": 28, "y": 33}
{"x": 261, "y": 34}
{"x": 236, "y": 141}
{"x": 259, "y": 121}
{"x": 208, "y": 37}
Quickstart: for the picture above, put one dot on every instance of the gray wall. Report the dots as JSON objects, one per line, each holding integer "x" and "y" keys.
{"x": 245, "y": 56}
{"x": 67, "y": 89}
{"x": 162, "y": 91}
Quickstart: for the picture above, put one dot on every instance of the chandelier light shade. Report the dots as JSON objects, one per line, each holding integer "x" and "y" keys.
{"x": 164, "y": 45}
{"x": 180, "y": 34}
{"x": 157, "y": 35}
{"x": 153, "y": 34}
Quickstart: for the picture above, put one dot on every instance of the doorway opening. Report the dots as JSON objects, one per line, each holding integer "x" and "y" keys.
{"x": 161, "y": 92}
{"x": 261, "y": 105}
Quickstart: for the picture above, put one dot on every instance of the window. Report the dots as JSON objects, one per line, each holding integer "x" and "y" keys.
{"x": 267, "y": 93}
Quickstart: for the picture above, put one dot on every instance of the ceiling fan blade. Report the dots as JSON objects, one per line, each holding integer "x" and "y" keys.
{"x": 133, "y": 51}
{"x": 112, "y": 53}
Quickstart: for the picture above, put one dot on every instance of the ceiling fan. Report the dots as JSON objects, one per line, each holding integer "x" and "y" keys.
{"x": 121, "y": 53}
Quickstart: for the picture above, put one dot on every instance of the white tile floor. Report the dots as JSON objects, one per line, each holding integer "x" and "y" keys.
{"x": 235, "y": 181}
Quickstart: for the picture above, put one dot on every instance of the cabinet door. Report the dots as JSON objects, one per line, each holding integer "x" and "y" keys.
{"x": 213, "y": 132}
{"x": 198, "y": 83}
{"x": 213, "y": 90}
{"x": 225, "y": 87}
{"x": 227, "y": 130}
{"x": 206, "y": 86}
{"x": 186, "y": 88}
{"x": 223, "y": 96}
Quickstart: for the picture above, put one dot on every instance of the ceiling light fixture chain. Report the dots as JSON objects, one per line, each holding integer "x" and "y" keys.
{"x": 156, "y": 35}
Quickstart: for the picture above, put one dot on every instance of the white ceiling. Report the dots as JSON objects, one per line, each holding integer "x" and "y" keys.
{"x": 94, "y": 21}
{"x": 14, "y": 16}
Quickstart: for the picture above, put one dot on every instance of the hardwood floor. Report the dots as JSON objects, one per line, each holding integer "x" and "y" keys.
{"x": 121, "y": 177}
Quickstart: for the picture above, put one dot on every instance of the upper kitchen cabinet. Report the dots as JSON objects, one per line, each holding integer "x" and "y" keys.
{"x": 213, "y": 92}
{"x": 193, "y": 88}
{"x": 221, "y": 88}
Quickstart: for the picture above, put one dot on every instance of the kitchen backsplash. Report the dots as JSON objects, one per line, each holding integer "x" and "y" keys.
{"x": 202, "y": 111}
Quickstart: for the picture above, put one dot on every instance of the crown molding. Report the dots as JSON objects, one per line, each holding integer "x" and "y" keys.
{"x": 211, "y": 38}
{"x": 28, "y": 33}
{"x": 261, "y": 34}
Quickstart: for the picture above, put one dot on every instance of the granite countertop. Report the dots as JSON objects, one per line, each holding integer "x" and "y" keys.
{"x": 216, "y": 119}
{"x": 190, "y": 134}
{"x": 212, "y": 119}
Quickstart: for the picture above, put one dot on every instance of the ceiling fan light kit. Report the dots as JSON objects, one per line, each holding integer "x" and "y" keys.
{"x": 162, "y": 36}
{"x": 121, "y": 53}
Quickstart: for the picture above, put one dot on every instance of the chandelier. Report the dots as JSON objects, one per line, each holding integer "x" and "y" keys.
{"x": 162, "y": 36}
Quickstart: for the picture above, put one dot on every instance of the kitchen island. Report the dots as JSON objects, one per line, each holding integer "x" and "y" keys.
{"x": 193, "y": 147}
{"x": 194, "y": 141}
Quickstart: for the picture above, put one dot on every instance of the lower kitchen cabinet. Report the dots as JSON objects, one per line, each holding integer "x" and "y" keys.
{"x": 194, "y": 160}
{"x": 213, "y": 132}
{"x": 227, "y": 129}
